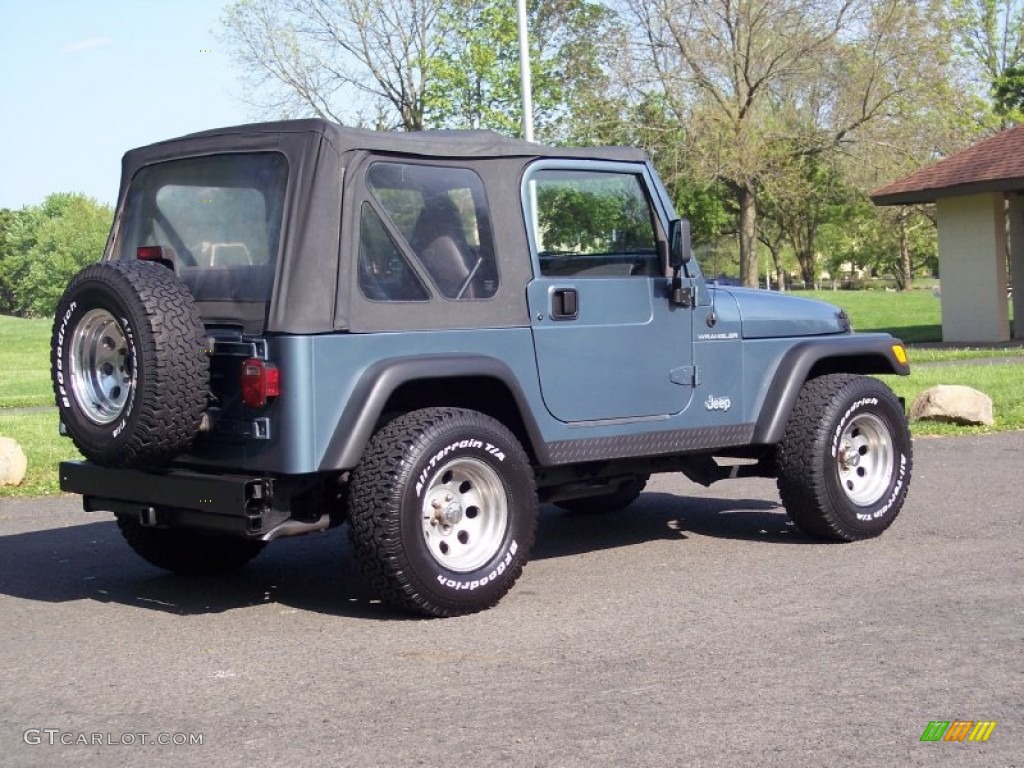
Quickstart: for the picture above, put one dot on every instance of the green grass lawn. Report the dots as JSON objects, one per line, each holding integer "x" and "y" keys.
{"x": 913, "y": 316}
{"x": 1000, "y": 382}
{"x": 25, "y": 383}
{"x": 36, "y": 432}
{"x": 24, "y": 362}
{"x": 934, "y": 355}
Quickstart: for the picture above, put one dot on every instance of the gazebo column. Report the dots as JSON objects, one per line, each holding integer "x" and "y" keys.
{"x": 1016, "y": 214}
{"x": 972, "y": 267}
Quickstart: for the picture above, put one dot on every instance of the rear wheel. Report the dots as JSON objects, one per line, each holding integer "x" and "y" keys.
{"x": 187, "y": 552}
{"x": 845, "y": 459}
{"x": 443, "y": 511}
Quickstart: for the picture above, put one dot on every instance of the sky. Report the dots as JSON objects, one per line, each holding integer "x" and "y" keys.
{"x": 83, "y": 81}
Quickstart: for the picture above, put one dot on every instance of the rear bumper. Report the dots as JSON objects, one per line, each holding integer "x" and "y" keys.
{"x": 236, "y": 505}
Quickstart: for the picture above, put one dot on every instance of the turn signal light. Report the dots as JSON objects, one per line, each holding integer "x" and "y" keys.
{"x": 260, "y": 381}
{"x": 900, "y": 353}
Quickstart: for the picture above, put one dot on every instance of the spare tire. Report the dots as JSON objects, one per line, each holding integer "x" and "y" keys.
{"x": 129, "y": 365}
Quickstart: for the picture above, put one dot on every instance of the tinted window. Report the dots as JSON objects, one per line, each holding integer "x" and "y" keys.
{"x": 384, "y": 273}
{"x": 442, "y": 215}
{"x": 593, "y": 224}
{"x": 218, "y": 217}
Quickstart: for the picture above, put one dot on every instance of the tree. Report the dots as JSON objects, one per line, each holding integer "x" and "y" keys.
{"x": 363, "y": 61}
{"x": 8, "y": 222}
{"x": 897, "y": 241}
{"x": 475, "y": 84}
{"x": 799, "y": 201}
{"x": 760, "y": 82}
{"x": 412, "y": 64}
{"x": 475, "y": 76}
{"x": 45, "y": 246}
{"x": 990, "y": 43}
{"x": 646, "y": 121}
{"x": 771, "y": 236}
{"x": 1008, "y": 94}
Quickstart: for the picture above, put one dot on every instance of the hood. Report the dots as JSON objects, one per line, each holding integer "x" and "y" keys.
{"x": 767, "y": 315}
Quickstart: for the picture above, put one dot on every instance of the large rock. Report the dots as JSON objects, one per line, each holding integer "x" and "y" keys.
{"x": 13, "y": 462}
{"x": 953, "y": 404}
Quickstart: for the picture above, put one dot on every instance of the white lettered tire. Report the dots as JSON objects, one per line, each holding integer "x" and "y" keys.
{"x": 845, "y": 460}
{"x": 443, "y": 511}
{"x": 130, "y": 372}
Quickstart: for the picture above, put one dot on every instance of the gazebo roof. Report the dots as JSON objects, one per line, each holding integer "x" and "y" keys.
{"x": 995, "y": 164}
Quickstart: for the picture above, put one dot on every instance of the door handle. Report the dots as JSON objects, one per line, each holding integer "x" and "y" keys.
{"x": 565, "y": 304}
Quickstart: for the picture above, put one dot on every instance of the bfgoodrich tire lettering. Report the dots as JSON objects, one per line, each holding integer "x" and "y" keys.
{"x": 443, "y": 511}
{"x": 129, "y": 370}
{"x": 845, "y": 459}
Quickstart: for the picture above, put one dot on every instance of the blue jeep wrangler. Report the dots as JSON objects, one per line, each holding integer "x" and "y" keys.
{"x": 297, "y": 324}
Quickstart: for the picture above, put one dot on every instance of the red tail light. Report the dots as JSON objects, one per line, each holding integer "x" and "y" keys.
{"x": 160, "y": 254}
{"x": 149, "y": 252}
{"x": 153, "y": 252}
{"x": 260, "y": 381}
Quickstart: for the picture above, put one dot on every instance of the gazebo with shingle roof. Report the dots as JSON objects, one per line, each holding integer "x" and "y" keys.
{"x": 976, "y": 193}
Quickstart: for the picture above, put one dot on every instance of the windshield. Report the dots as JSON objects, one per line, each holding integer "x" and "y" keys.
{"x": 218, "y": 219}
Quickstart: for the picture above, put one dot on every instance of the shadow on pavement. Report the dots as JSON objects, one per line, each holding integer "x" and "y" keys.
{"x": 663, "y": 516}
{"x": 318, "y": 572}
{"x": 92, "y": 561}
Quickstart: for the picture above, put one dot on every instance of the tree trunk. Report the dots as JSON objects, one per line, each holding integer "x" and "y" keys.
{"x": 780, "y": 273}
{"x": 807, "y": 266}
{"x": 748, "y": 235}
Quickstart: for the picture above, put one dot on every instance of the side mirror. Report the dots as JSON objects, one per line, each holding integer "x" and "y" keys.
{"x": 679, "y": 249}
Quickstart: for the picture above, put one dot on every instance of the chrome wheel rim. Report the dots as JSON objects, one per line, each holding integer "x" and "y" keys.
{"x": 464, "y": 515}
{"x": 865, "y": 459}
{"x": 102, "y": 369}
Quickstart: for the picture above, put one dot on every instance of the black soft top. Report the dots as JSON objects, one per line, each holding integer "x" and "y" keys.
{"x": 424, "y": 143}
{"x": 314, "y": 290}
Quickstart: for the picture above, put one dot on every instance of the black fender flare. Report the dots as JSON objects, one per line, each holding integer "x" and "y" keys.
{"x": 379, "y": 381}
{"x": 864, "y": 354}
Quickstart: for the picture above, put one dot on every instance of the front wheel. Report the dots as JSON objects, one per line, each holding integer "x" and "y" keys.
{"x": 443, "y": 511}
{"x": 845, "y": 459}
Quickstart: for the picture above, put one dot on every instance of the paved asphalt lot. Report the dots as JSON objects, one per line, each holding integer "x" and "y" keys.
{"x": 697, "y": 628}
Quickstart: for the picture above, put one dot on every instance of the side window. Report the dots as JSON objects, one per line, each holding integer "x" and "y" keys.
{"x": 593, "y": 224}
{"x": 384, "y": 274}
{"x": 442, "y": 214}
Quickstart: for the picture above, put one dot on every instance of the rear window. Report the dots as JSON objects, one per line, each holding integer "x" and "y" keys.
{"x": 218, "y": 219}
